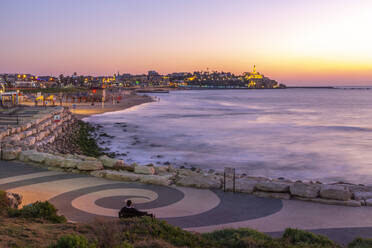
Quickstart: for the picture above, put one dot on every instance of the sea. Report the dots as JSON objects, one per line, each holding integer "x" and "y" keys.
{"x": 305, "y": 134}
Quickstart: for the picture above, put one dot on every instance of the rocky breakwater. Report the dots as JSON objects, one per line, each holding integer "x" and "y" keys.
{"x": 113, "y": 169}
{"x": 40, "y": 132}
{"x": 335, "y": 194}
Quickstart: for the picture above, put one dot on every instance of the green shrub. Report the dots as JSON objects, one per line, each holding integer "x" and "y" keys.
{"x": 135, "y": 230}
{"x": 157, "y": 229}
{"x": 42, "y": 210}
{"x": 360, "y": 243}
{"x": 86, "y": 142}
{"x": 152, "y": 243}
{"x": 241, "y": 238}
{"x": 299, "y": 237}
{"x": 72, "y": 241}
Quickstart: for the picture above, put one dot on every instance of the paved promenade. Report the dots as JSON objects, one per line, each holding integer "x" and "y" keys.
{"x": 82, "y": 198}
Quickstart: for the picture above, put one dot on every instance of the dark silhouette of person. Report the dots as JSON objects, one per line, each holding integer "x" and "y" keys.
{"x": 129, "y": 211}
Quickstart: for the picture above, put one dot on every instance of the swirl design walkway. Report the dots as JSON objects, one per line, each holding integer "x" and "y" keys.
{"x": 82, "y": 198}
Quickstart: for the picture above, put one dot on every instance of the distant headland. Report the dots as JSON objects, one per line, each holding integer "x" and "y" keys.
{"x": 177, "y": 80}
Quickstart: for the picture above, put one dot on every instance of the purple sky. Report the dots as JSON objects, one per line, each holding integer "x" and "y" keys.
{"x": 296, "y": 42}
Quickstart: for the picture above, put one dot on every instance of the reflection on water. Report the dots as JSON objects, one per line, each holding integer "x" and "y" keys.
{"x": 323, "y": 134}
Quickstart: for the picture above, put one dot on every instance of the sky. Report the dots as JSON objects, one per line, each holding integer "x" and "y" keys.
{"x": 296, "y": 42}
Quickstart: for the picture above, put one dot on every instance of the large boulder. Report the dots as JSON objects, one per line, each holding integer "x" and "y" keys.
{"x": 369, "y": 202}
{"x": 54, "y": 160}
{"x": 164, "y": 180}
{"x": 349, "y": 203}
{"x": 90, "y": 165}
{"x": 37, "y": 157}
{"x": 34, "y": 156}
{"x": 70, "y": 163}
{"x": 245, "y": 185}
{"x": 110, "y": 162}
{"x": 85, "y": 158}
{"x": 14, "y": 199}
{"x": 11, "y": 153}
{"x": 362, "y": 195}
{"x": 305, "y": 190}
{"x": 272, "y": 186}
{"x": 277, "y": 195}
{"x": 23, "y": 155}
{"x": 98, "y": 173}
{"x": 120, "y": 165}
{"x": 335, "y": 192}
{"x": 143, "y": 169}
{"x": 161, "y": 169}
{"x": 199, "y": 180}
{"x": 122, "y": 176}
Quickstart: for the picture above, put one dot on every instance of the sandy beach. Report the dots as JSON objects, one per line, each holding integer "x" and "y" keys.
{"x": 83, "y": 110}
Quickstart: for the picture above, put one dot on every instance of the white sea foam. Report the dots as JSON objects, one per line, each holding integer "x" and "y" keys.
{"x": 296, "y": 133}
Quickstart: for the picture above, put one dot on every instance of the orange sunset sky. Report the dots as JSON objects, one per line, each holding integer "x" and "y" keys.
{"x": 295, "y": 42}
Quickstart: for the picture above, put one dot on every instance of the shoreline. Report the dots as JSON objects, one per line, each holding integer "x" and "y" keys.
{"x": 86, "y": 110}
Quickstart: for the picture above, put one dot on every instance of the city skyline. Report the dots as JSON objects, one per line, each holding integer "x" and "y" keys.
{"x": 293, "y": 42}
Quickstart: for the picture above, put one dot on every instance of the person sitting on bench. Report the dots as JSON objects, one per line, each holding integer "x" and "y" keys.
{"x": 129, "y": 211}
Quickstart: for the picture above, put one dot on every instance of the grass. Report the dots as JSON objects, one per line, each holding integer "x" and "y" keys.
{"x": 37, "y": 226}
{"x": 360, "y": 243}
{"x": 38, "y": 210}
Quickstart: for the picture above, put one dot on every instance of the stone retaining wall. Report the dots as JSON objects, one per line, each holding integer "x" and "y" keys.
{"x": 36, "y": 134}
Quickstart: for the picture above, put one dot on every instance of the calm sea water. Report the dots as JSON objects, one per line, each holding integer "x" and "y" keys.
{"x": 321, "y": 134}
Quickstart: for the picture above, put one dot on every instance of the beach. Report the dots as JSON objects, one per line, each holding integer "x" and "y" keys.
{"x": 83, "y": 110}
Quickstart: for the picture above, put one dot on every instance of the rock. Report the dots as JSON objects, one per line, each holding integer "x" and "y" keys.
{"x": 146, "y": 170}
{"x": 164, "y": 180}
{"x": 362, "y": 195}
{"x": 245, "y": 185}
{"x": 161, "y": 169}
{"x": 122, "y": 176}
{"x": 107, "y": 161}
{"x": 70, "y": 163}
{"x": 277, "y": 195}
{"x": 37, "y": 157}
{"x": 120, "y": 165}
{"x": 335, "y": 192}
{"x": 14, "y": 199}
{"x": 23, "y": 155}
{"x": 29, "y": 141}
{"x": 98, "y": 173}
{"x": 272, "y": 186}
{"x": 305, "y": 190}
{"x": 89, "y": 165}
{"x": 199, "y": 181}
{"x": 350, "y": 203}
{"x": 185, "y": 172}
{"x": 368, "y": 202}
{"x": 85, "y": 158}
{"x": 11, "y": 153}
{"x": 56, "y": 169}
{"x": 53, "y": 160}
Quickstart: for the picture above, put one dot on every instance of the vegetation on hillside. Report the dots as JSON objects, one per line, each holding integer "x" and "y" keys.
{"x": 38, "y": 225}
{"x": 88, "y": 144}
